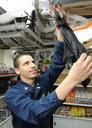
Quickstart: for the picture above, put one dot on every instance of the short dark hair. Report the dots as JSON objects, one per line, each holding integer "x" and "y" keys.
{"x": 16, "y": 60}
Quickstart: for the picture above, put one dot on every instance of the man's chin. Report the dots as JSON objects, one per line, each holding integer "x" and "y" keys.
{"x": 33, "y": 77}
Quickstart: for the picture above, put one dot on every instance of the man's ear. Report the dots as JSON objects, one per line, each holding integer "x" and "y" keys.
{"x": 17, "y": 71}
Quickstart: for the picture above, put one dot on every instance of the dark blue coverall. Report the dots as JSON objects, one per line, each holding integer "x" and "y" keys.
{"x": 28, "y": 105}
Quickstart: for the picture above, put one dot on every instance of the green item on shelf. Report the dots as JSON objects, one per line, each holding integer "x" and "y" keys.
{"x": 46, "y": 61}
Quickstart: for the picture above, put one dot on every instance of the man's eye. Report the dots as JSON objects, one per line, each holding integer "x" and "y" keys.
{"x": 26, "y": 63}
{"x": 33, "y": 61}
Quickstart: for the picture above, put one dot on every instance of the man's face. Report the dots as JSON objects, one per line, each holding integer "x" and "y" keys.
{"x": 27, "y": 69}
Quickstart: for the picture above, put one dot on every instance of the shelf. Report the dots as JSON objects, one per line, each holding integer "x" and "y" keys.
{"x": 80, "y": 86}
{"x": 75, "y": 104}
{"x": 79, "y": 118}
{"x": 7, "y": 75}
{"x": 60, "y": 121}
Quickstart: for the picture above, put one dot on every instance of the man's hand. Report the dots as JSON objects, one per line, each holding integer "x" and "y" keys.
{"x": 80, "y": 71}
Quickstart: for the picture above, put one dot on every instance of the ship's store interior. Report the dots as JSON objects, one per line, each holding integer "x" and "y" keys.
{"x": 34, "y": 33}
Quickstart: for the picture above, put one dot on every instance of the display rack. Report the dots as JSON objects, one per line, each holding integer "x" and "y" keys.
{"x": 5, "y": 115}
{"x": 7, "y": 75}
{"x": 76, "y": 112}
{"x": 60, "y": 121}
{"x": 4, "y": 112}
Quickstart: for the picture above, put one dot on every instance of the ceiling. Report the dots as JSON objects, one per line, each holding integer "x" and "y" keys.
{"x": 16, "y": 34}
{"x": 78, "y": 7}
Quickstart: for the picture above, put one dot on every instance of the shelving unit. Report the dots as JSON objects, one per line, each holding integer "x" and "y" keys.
{"x": 7, "y": 75}
{"x": 81, "y": 105}
{"x": 60, "y": 121}
{"x": 76, "y": 112}
{"x": 5, "y": 115}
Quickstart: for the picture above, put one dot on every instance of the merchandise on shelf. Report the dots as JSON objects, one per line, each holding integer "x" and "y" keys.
{"x": 80, "y": 96}
{"x": 88, "y": 112}
{"x": 4, "y": 112}
{"x": 6, "y": 70}
{"x": 74, "y": 111}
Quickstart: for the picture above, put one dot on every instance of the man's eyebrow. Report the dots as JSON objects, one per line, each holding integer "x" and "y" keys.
{"x": 25, "y": 62}
{"x": 33, "y": 60}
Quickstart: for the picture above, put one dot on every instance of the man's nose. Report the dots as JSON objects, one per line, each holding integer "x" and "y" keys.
{"x": 34, "y": 65}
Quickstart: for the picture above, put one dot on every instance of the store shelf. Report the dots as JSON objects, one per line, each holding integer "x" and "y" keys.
{"x": 6, "y": 75}
{"x": 70, "y": 122}
{"x": 78, "y": 118}
{"x": 4, "y": 112}
{"x": 75, "y": 104}
{"x": 76, "y": 111}
{"x": 80, "y": 86}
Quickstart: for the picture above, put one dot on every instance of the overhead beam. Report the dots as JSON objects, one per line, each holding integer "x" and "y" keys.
{"x": 30, "y": 42}
{"x": 10, "y": 34}
{"x": 32, "y": 34}
{"x": 9, "y": 42}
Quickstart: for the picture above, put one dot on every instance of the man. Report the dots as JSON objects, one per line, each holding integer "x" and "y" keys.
{"x": 30, "y": 104}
